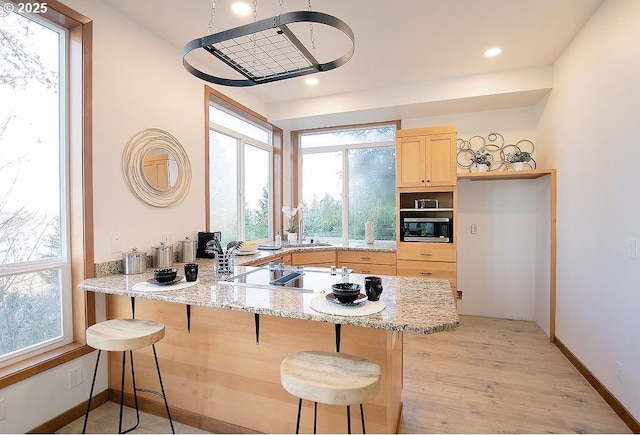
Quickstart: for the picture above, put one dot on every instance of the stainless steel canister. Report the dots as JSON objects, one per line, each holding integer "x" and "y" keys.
{"x": 162, "y": 255}
{"x": 188, "y": 249}
{"x": 134, "y": 262}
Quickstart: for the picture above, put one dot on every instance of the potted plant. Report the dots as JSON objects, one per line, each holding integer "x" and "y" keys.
{"x": 290, "y": 213}
{"x": 482, "y": 159}
{"x": 518, "y": 159}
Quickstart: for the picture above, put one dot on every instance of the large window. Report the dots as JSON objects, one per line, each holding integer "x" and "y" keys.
{"x": 347, "y": 178}
{"x": 240, "y": 188}
{"x": 35, "y": 271}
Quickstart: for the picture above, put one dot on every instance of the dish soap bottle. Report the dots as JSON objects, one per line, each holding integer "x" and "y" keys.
{"x": 278, "y": 242}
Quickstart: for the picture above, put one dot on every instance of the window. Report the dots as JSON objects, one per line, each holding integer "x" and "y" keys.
{"x": 35, "y": 269}
{"x": 347, "y": 178}
{"x": 240, "y": 162}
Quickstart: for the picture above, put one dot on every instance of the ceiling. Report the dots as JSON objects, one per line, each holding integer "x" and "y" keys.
{"x": 399, "y": 45}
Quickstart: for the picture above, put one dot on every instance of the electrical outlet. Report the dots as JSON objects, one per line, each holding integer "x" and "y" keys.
{"x": 115, "y": 244}
{"x": 167, "y": 238}
{"x": 619, "y": 371}
{"x": 474, "y": 228}
{"x": 459, "y": 294}
{"x": 1, "y": 409}
{"x": 75, "y": 377}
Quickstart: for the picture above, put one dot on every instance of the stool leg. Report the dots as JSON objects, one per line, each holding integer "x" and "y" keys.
{"x": 124, "y": 359}
{"x": 362, "y": 418}
{"x": 298, "y": 420}
{"x": 166, "y": 405}
{"x": 315, "y": 415}
{"x": 348, "y": 419}
{"x": 135, "y": 393}
{"x": 93, "y": 383}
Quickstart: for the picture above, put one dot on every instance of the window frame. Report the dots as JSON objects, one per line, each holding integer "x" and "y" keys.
{"x": 231, "y": 106}
{"x": 62, "y": 262}
{"x": 78, "y": 120}
{"x": 298, "y": 167}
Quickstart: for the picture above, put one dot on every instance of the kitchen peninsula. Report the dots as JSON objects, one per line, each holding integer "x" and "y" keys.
{"x": 225, "y": 340}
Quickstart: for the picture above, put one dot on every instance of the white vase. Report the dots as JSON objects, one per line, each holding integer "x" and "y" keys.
{"x": 482, "y": 168}
{"x": 292, "y": 238}
{"x": 518, "y": 166}
{"x": 368, "y": 232}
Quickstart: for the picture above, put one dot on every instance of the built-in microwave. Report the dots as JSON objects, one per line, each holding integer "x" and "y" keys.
{"x": 426, "y": 229}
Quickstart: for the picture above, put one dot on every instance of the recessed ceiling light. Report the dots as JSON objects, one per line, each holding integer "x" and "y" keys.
{"x": 241, "y": 8}
{"x": 311, "y": 81}
{"x": 493, "y": 52}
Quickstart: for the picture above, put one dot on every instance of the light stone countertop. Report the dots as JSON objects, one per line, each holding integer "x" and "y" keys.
{"x": 417, "y": 305}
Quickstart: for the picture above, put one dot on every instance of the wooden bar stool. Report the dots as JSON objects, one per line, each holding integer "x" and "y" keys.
{"x": 126, "y": 335}
{"x": 331, "y": 378}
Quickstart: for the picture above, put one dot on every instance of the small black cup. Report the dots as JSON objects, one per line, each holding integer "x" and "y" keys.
{"x": 373, "y": 287}
{"x": 191, "y": 271}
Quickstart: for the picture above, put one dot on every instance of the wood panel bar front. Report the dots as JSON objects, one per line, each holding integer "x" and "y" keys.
{"x": 218, "y": 371}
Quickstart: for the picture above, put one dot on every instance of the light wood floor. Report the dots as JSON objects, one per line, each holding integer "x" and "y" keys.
{"x": 497, "y": 376}
{"x": 487, "y": 376}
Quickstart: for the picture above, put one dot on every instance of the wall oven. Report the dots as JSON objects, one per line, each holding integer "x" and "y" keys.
{"x": 427, "y": 229}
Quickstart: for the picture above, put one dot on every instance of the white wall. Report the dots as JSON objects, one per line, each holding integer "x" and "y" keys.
{"x": 591, "y": 122}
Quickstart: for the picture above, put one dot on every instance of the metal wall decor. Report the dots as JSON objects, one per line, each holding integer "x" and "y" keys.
{"x": 132, "y": 167}
{"x": 494, "y": 145}
{"x": 266, "y": 50}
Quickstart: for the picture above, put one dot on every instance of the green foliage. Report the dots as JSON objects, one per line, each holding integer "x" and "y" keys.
{"x": 518, "y": 156}
{"x": 256, "y": 225}
{"x": 482, "y": 158}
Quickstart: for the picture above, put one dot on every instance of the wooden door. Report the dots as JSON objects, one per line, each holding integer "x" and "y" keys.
{"x": 156, "y": 170}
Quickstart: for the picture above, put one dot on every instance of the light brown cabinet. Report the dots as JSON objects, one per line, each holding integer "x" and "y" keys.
{"x": 314, "y": 258}
{"x": 426, "y": 168}
{"x": 368, "y": 262}
{"x": 428, "y": 260}
{"x": 426, "y": 157}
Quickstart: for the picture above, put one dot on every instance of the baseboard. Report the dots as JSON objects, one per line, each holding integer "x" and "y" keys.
{"x": 70, "y": 415}
{"x": 611, "y": 400}
{"x": 180, "y": 415}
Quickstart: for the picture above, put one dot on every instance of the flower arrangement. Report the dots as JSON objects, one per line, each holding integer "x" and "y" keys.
{"x": 290, "y": 214}
{"x": 482, "y": 158}
{"x": 518, "y": 156}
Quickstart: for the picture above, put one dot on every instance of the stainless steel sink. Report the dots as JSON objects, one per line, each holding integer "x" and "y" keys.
{"x": 305, "y": 245}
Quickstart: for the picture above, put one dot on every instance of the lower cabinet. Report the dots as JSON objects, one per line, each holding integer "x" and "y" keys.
{"x": 428, "y": 260}
{"x": 314, "y": 258}
{"x": 368, "y": 262}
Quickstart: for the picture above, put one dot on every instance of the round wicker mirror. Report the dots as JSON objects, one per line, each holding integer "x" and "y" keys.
{"x": 141, "y": 178}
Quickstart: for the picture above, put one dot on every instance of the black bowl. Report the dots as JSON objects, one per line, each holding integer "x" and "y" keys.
{"x": 165, "y": 275}
{"x": 346, "y": 292}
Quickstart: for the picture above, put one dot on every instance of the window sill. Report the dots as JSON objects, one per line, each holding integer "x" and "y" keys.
{"x": 22, "y": 370}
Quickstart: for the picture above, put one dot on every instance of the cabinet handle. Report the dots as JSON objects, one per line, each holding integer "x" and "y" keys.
{"x": 365, "y": 258}
{"x": 426, "y": 273}
{"x": 365, "y": 271}
{"x": 426, "y": 254}
{"x": 422, "y": 181}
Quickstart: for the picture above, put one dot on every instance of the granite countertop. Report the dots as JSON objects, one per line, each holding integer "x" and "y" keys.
{"x": 417, "y": 305}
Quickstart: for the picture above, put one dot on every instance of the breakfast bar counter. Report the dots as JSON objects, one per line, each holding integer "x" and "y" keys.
{"x": 225, "y": 341}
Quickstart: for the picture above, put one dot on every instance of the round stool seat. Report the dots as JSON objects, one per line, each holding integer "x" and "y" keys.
{"x": 330, "y": 378}
{"x": 124, "y": 334}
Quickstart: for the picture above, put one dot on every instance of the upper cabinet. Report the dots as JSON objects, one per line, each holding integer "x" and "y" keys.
{"x": 426, "y": 157}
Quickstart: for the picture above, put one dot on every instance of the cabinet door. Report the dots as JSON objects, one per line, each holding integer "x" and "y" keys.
{"x": 314, "y": 258}
{"x": 441, "y": 160}
{"x": 371, "y": 269}
{"x": 410, "y": 161}
{"x": 428, "y": 269}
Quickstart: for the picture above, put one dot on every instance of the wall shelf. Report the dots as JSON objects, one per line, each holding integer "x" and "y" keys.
{"x": 527, "y": 174}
